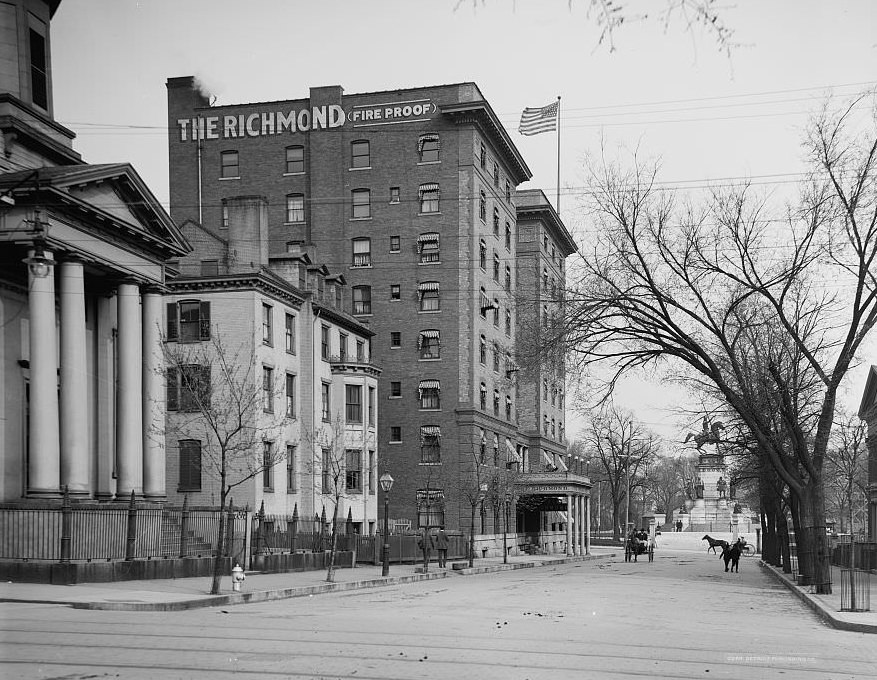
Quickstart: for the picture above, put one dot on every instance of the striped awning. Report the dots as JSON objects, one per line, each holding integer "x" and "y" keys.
{"x": 428, "y": 285}
{"x": 430, "y": 385}
{"x": 432, "y": 186}
{"x": 428, "y": 432}
{"x": 430, "y": 334}
{"x": 432, "y": 137}
{"x": 432, "y": 236}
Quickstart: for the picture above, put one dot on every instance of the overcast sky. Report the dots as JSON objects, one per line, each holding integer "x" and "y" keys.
{"x": 671, "y": 92}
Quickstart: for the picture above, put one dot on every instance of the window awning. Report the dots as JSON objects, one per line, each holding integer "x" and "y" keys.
{"x": 430, "y": 334}
{"x": 432, "y": 236}
{"x": 428, "y": 433}
{"x": 428, "y": 285}
{"x": 430, "y": 385}
{"x": 428, "y": 138}
{"x": 432, "y": 186}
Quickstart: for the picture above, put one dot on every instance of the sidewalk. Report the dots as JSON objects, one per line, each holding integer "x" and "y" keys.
{"x": 828, "y": 606}
{"x": 191, "y": 593}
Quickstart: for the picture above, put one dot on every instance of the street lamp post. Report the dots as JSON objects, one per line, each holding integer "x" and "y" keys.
{"x": 386, "y": 484}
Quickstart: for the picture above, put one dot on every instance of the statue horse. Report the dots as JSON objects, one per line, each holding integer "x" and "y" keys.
{"x": 714, "y": 543}
{"x": 707, "y": 436}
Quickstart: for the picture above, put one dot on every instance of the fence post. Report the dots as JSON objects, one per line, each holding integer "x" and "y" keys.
{"x": 132, "y": 529}
{"x": 184, "y": 527}
{"x": 229, "y": 528}
{"x": 66, "y": 526}
{"x": 260, "y": 534}
{"x": 294, "y": 526}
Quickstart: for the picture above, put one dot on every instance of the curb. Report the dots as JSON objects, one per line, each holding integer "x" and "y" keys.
{"x": 306, "y": 591}
{"x": 817, "y": 607}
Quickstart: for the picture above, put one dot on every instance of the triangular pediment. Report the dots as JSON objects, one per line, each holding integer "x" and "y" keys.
{"x": 869, "y": 398}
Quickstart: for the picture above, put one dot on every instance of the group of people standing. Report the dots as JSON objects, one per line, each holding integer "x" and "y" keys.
{"x": 428, "y": 541}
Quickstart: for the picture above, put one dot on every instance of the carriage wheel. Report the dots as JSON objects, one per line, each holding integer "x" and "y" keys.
{"x": 651, "y": 553}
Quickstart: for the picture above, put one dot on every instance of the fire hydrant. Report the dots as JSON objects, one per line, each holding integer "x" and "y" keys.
{"x": 237, "y": 577}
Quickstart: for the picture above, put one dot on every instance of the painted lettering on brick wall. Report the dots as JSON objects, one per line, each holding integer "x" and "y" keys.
{"x": 392, "y": 112}
{"x": 233, "y": 126}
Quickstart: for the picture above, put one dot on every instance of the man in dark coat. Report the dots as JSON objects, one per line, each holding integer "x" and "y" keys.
{"x": 441, "y": 544}
{"x": 426, "y": 543}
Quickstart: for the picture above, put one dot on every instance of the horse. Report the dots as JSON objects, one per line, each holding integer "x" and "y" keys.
{"x": 731, "y": 554}
{"x": 715, "y": 542}
{"x": 707, "y": 436}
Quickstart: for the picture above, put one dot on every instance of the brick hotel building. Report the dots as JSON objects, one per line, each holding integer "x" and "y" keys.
{"x": 410, "y": 195}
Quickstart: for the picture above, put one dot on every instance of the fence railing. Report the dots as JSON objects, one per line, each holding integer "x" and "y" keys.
{"x": 865, "y": 554}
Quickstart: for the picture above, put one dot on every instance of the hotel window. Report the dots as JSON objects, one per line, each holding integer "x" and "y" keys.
{"x": 188, "y": 321}
{"x": 395, "y": 244}
{"x": 325, "y": 410}
{"x": 362, "y": 208}
{"x": 496, "y": 402}
{"x": 290, "y": 395}
{"x": 482, "y": 206}
{"x": 324, "y": 343}
{"x": 295, "y": 208}
{"x": 360, "y": 350}
{"x": 429, "y": 344}
{"x": 545, "y": 390}
{"x": 371, "y": 406}
{"x": 429, "y": 198}
{"x": 267, "y": 325}
{"x": 188, "y": 388}
{"x": 267, "y": 466}
{"x": 396, "y": 388}
{"x": 495, "y": 175}
{"x": 482, "y": 448}
{"x": 295, "y": 159}
{"x": 291, "y": 468}
{"x": 428, "y": 246}
{"x": 395, "y": 291}
{"x": 394, "y": 195}
{"x": 290, "y": 334}
{"x": 362, "y": 252}
{"x": 395, "y": 433}
{"x": 267, "y": 389}
{"x": 362, "y": 300}
{"x": 496, "y": 222}
{"x": 508, "y": 192}
{"x": 209, "y": 267}
{"x": 496, "y": 267}
{"x": 353, "y": 470}
{"x": 553, "y": 428}
{"x": 508, "y": 322}
{"x": 545, "y": 424}
{"x": 508, "y": 278}
{"x": 496, "y": 312}
{"x": 359, "y": 154}
{"x": 430, "y": 300}
{"x": 326, "y": 476}
{"x": 430, "y": 444}
{"x": 482, "y": 350}
{"x": 428, "y": 147}
{"x": 483, "y": 157}
{"x": 190, "y": 465}
{"x": 229, "y": 166}
{"x": 508, "y": 408}
{"x": 353, "y": 403}
{"x": 508, "y": 236}
{"x": 342, "y": 346}
{"x": 482, "y": 254}
{"x": 39, "y": 83}
{"x": 429, "y": 394}
{"x": 482, "y": 401}
{"x": 484, "y": 303}
{"x": 496, "y": 354}
{"x": 224, "y": 215}
{"x": 395, "y": 339}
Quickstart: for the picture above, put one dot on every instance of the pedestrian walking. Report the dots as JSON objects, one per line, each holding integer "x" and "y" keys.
{"x": 426, "y": 543}
{"x": 441, "y": 544}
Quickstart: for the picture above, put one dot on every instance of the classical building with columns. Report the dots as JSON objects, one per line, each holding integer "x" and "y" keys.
{"x": 82, "y": 249}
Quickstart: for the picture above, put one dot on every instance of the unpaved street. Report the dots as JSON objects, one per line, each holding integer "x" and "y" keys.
{"x": 680, "y": 617}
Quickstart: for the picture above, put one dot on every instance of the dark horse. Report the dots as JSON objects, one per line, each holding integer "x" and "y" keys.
{"x": 709, "y": 435}
{"x": 732, "y": 554}
{"x": 714, "y": 543}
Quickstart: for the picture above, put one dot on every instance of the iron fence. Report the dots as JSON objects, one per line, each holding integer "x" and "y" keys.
{"x": 865, "y": 554}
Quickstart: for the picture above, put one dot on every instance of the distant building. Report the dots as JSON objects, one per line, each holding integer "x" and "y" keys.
{"x": 868, "y": 413}
{"x": 411, "y": 196}
{"x": 81, "y": 277}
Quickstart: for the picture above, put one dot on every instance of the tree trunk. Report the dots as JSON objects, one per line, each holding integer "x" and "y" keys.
{"x": 818, "y": 562}
{"x": 472, "y": 538}
{"x": 784, "y": 544}
{"x": 218, "y": 561}
{"x": 333, "y": 542}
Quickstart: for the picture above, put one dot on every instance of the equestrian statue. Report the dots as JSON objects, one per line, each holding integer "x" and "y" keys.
{"x": 709, "y": 435}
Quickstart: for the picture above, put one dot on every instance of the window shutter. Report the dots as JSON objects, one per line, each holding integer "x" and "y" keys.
{"x": 204, "y": 319}
{"x": 172, "y": 322}
{"x": 173, "y": 399}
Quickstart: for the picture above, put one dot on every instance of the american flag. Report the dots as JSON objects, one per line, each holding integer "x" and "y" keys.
{"x": 534, "y": 121}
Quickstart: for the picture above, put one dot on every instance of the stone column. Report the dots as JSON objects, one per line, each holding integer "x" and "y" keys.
{"x": 569, "y": 516}
{"x": 581, "y": 526}
{"x": 44, "y": 451}
{"x": 75, "y": 473}
{"x": 588, "y": 524}
{"x": 129, "y": 424}
{"x": 153, "y": 399}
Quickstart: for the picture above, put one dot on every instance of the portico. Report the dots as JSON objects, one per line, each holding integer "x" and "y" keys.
{"x": 565, "y": 493}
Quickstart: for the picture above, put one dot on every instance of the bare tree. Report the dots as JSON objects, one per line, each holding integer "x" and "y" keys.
{"x": 474, "y": 487}
{"x": 743, "y": 300}
{"x": 846, "y": 473}
{"x": 667, "y": 482}
{"x": 622, "y": 450}
{"x": 215, "y": 398}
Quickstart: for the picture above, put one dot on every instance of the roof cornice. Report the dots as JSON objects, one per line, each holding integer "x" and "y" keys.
{"x": 229, "y": 282}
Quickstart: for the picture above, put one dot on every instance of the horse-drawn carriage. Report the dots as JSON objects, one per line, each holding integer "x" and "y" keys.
{"x": 639, "y": 543}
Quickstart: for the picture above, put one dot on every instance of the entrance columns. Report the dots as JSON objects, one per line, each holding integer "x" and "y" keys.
{"x": 153, "y": 399}
{"x": 569, "y": 518}
{"x": 74, "y": 389}
{"x": 129, "y": 429}
{"x": 588, "y": 525}
{"x": 44, "y": 452}
{"x": 581, "y": 526}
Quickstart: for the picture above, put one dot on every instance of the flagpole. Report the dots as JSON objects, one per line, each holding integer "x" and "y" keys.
{"x": 558, "y": 154}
